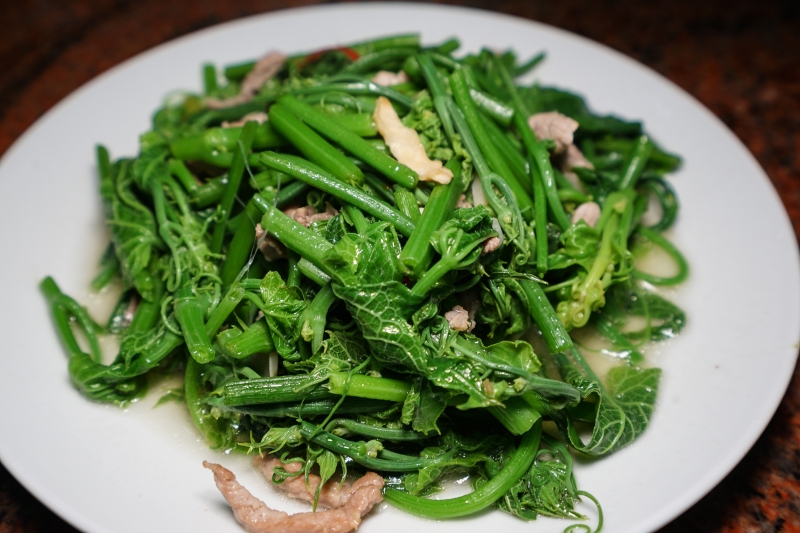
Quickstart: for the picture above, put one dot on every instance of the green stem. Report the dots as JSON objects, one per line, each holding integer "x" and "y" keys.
{"x": 362, "y": 386}
{"x": 351, "y": 142}
{"x": 375, "y": 60}
{"x": 313, "y": 273}
{"x": 205, "y": 424}
{"x": 314, "y": 147}
{"x": 486, "y": 495}
{"x": 492, "y": 106}
{"x": 406, "y": 203}
{"x": 438, "y": 93}
{"x": 60, "y": 315}
{"x": 315, "y": 408}
{"x": 555, "y": 334}
{"x": 224, "y": 309}
{"x": 540, "y": 216}
{"x": 316, "y": 177}
{"x": 418, "y": 251}
{"x": 541, "y": 165}
{"x": 637, "y": 162}
{"x": 314, "y": 318}
{"x": 241, "y": 245}
{"x": 178, "y": 169}
{"x": 290, "y": 388}
{"x": 357, "y": 218}
{"x": 346, "y": 425}
{"x": 513, "y": 158}
{"x": 659, "y": 240}
{"x": 240, "y": 344}
{"x": 462, "y": 97}
{"x": 232, "y": 187}
{"x": 210, "y": 85}
{"x": 295, "y": 236}
{"x": 190, "y": 311}
{"x": 359, "y": 452}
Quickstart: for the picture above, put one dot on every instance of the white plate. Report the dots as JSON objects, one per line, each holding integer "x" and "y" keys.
{"x": 112, "y": 471}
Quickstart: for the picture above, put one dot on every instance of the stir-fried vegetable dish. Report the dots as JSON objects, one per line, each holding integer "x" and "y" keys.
{"x": 350, "y": 256}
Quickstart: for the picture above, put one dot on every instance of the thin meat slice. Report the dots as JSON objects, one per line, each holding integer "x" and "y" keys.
{"x": 271, "y": 248}
{"x": 308, "y": 215}
{"x": 332, "y": 495}
{"x": 255, "y": 116}
{"x": 555, "y": 126}
{"x": 257, "y": 517}
{"x": 262, "y": 72}
{"x": 405, "y": 145}
{"x": 573, "y": 158}
{"x": 589, "y": 212}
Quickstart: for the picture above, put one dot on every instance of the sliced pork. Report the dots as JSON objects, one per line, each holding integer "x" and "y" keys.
{"x": 264, "y": 69}
{"x": 554, "y": 126}
{"x": 589, "y": 212}
{"x": 256, "y": 517}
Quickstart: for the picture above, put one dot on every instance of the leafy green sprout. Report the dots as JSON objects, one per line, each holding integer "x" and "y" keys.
{"x": 356, "y": 313}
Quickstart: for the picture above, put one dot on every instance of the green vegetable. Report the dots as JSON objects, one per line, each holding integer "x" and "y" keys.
{"x": 351, "y": 328}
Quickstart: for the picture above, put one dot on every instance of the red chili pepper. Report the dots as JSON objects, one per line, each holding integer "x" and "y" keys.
{"x": 315, "y": 56}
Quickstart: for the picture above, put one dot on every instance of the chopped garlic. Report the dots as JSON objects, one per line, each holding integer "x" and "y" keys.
{"x": 405, "y": 145}
{"x": 387, "y": 78}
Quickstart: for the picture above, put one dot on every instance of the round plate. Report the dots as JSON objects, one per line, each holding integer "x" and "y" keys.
{"x": 107, "y": 470}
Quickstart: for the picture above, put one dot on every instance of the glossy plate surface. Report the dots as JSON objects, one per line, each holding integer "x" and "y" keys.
{"x": 111, "y": 471}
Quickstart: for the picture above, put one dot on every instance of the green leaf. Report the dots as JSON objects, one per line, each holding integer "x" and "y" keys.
{"x": 624, "y": 406}
{"x": 540, "y": 99}
{"x": 282, "y": 307}
{"x": 432, "y": 402}
{"x": 381, "y": 311}
{"x": 132, "y": 227}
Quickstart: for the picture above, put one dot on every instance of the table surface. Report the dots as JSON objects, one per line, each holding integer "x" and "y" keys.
{"x": 740, "y": 59}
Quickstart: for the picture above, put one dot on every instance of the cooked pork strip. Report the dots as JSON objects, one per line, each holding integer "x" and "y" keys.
{"x": 256, "y": 517}
{"x": 262, "y": 72}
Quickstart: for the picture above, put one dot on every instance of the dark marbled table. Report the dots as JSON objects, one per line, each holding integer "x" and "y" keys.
{"x": 740, "y": 59}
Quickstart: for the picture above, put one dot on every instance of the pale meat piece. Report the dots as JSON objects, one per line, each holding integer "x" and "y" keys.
{"x": 257, "y": 517}
{"x": 463, "y": 202}
{"x": 255, "y": 116}
{"x": 405, "y": 145}
{"x": 493, "y": 243}
{"x": 459, "y": 319}
{"x": 387, "y": 78}
{"x": 570, "y": 159}
{"x": 589, "y": 212}
{"x": 574, "y": 158}
{"x": 332, "y": 495}
{"x": 490, "y": 245}
{"x": 270, "y": 247}
{"x": 307, "y": 215}
{"x": 262, "y": 72}
{"x": 554, "y": 126}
